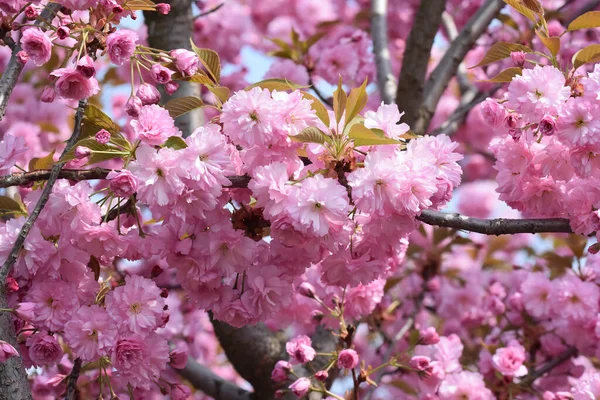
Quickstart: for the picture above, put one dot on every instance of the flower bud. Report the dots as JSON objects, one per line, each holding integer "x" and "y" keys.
{"x": 171, "y": 87}
{"x": 281, "y": 371}
{"x": 86, "y": 67}
{"x": 518, "y": 58}
{"x": 63, "y": 32}
{"x": 82, "y": 152}
{"x": 133, "y": 106}
{"x": 307, "y": 290}
{"x": 7, "y": 351}
{"x": 321, "y": 376}
{"x": 148, "y": 94}
{"x": 348, "y": 359}
{"x": 160, "y": 74}
{"x": 122, "y": 183}
{"x": 300, "y": 387}
{"x": 102, "y": 136}
{"x": 22, "y": 57}
{"x": 593, "y": 249}
{"x": 420, "y": 363}
{"x": 48, "y": 95}
{"x": 547, "y": 126}
{"x": 279, "y": 394}
{"x": 117, "y": 9}
{"x": 163, "y": 8}
{"x": 493, "y": 113}
{"x": 31, "y": 13}
{"x": 428, "y": 336}
{"x": 11, "y": 284}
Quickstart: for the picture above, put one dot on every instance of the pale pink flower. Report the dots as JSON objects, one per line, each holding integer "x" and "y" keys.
{"x": 186, "y": 61}
{"x": 300, "y": 387}
{"x": 429, "y": 336}
{"x": 136, "y": 306}
{"x": 121, "y": 45}
{"x": 72, "y": 85}
{"x": 44, "y": 349}
{"x": 294, "y": 111}
{"x": 123, "y": 183}
{"x": 509, "y": 360}
{"x": 576, "y": 299}
{"x": 7, "y": 351}
{"x": 587, "y": 387}
{"x": 335, "y": 61}
{"x": 148, "y": 94}
{"x": 538, "y": 291}
{"x": 287, "y": 69}
{"x": 91, "y": 332}
{"x": 280, "y": 371}
{"x": 362, "y": 299}
{"x": 267, "y": 291}
{"x": 154, "y": 125}
{"x": 347, "y": 358}
{"x": 11, "y": 148}
{"x": 37, "y": 45}
{"x": 55, "y": 302}
{"x": 386, "y": 118}
{"x": 578, "y": 122}
{"x": 300, "y": 349}
{"x": 464, "y": 385}
{"x": 160, "y": 74}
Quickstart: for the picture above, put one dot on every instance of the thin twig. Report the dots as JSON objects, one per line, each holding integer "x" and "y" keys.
{"x": 212, "y": 10}
{"x": 72, "y": 380}
{"x": 461, "y": 74}
{"x": 386, "y": 81}
{"x": 18, "y": 245}
{"x": 550, "y": 365}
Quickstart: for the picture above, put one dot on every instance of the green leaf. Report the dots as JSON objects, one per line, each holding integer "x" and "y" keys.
{"x": 221, "y": 92}
{"x": 413, "y": 338}
{"x": 339, "y": 102}
{"x": 356, "y": 101}
{"x": 42, "y": 163}
{"x": 94, "y": 265}
{"x": 507, "y": 75}
{"x": 175, "y": 142}
{"x": 311, "y": 135}
{"x": 359, "y": 119}
{"x": 10, "y": 206}
{"x": 319, "y": 108}
{"x": 500, "y": 51}
{"x": 521, "y": 8}
{"x": 363, "y": 136}
{"x": 589, "y": 54}
{"x": 588, "y": 20}
{"x": 577, "y": 244}
{"x": 107, "y": 152}
{"x": 551, "y": 43}
{"x": 508, "y": 21}
{"x": 534, "y": 5}
{"x": 211, "y": 61}
{"x": 276, "y": 84}
{"x": 181, "y": 105}
{"x": 95, "y": 119}
{"x": 200, "y": 78}
{"x": 404, "y": 386}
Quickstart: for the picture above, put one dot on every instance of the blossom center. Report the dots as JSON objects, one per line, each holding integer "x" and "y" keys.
{"x": 135, "y": 308}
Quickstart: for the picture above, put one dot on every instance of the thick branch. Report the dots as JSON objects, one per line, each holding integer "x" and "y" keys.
{"x": 448, "y": 65}
{"x": 10, "y": 76}
{"x": 379, "y": 32}
{"x": 409, "y": 94}
{"x": 72, "y": 380}
{"x": 498, "y": 226}
{"x": 549, "y": 366}
{"x": 202, "y": 378}
{"x": 26, "y": 178}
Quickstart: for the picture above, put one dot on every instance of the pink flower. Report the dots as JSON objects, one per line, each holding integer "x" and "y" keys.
{"x": 63, "y": 32}
{"x": 24, "y": 311}
{"x": 578, "y": 122}
{"x": 300, "y": 387}
{"x": 321, "y": 376}
{"x": 321, "y": 206}
{"x": 44, "y": 349}
{"x": 163, "y": 8}
{"x": 121, "y": 45}
{"x": 179, "y": 391}
{"x": 154, "y": 125}
{"x": 160, "y": 74}
{"x": 420, "y": 363}
{"x": 287, "y": 69}
{"x": 7, "y": 351}
{"x": 547, "y": 126}
{"x": 81, "y": 152}
{"x": 518, "y": 58}
{"x": 348, "y": 359}
{"x": 186, "y": 61}
{"x": 102, "y": 136}
{"x": 55, "y": 303}
{"x": 148, "y": 94}
{"x": 386, "y": 118}
{"x": 91, "y": 332}
{"x": 11, "y": 148}
{"x": 280, "y": 371}
{"x": 300, "y": 349}
{"x": 48, "y": 94}
{"x": 493, "y": 113}
{"x": 123, "y": 183}
{"x": 37, "y": 45}
{"x": 509, "y": 360}
{"x": 72, "y": 85}
{"x": 133, "y": 106}
{"x": 537, "y": 292}
{"x": 86, "y": 66}
{"x": 586, "y": 387}
{"x": 576, "y": 299}
{"x": 140, "y": 360}
{"x": 178, "y": 359}
{"x": 464, "y": 385}
{"x": 428, "y": 336}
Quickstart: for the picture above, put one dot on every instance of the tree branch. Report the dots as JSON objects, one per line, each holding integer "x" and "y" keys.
{"x": 448, "y": 65}
{"x": 10, "y": 76}
{"x": 72, "y": 380}
{"x": 379, "y": 33}
{"x": 26, "y": 178}
{"x": 553, "y": 363}
{"x": 498, "y": 226}
{"x": 590, "y": 6}
{"x": 202, "y": 378}
{"x": 409, "y": 94}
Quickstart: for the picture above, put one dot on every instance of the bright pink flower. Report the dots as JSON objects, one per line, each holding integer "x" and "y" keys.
{"x": 121, "y": 45}
{"x": 163, "y": 8}
{"x": 280, "y": 371}
{"x": 154, "y": 125}
{"x": 160, "y": 74}
{"x": 348, "y": 359}
{"x": 136, "y": 306}
{"x": 548, "y": 126}
{"x": 72, "y": 85}
{"x": 300, "y": 387}
{"x": 362, "y": 299}
{"x": 102, "y": 136}
{"x": 518, "y": 58}
{"x": 267, "y": 291}
{"x": 148, "y": 94}
{"x": 321, "y": 206}
{"x": 493, "y": 113}
{"x": 509, "y": 360}
{"x": 78, "y": 4}
{"x": 186, "y": 61}
{"x": 337, "y": 60}
{"x": 123, "y": 183}
{"x": 300, "y": 349}
{"x": 37, "y": 45}
{"x": 55, "y": 303}
{"x": 140, "y": 360}
{"x": 44, "y": 349}
{"x": 133, "y": 106}
{"x": 63, "y": 32}
{"x": 86, "y": 66}
{"x": 7, "y": 351}
{"x": 24, "y": 311}
{"x": 386, "y": 118}
{"x": 91, "y": 332}
{"x": 48, "y": 94}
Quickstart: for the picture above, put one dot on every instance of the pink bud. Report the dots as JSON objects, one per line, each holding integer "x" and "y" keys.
{"x": 300, "y": 387}
{"x": 86, "y": 66}
{"x": 7, "y": 351}
{"x": 281, "y": 371}
{"x": 102, "y": 136}
{"x": 420, "y": 363}
{"x": 512, "y": 121}
{"x": 171, "y": 87}
{"x": 163, "y": 8}
{"x": 593, "y": 249}
{"x": 148, "y": 94}
{"x": 322, "y": 376}
{"x": 48, "y": 94}
{"x": 160, "y": 74}
{"x": 348, "y": 359}
{"x": 122, "y": 183}
{"x": 518, "y": 58}
{"x": 82, "y": 152}
{"x": 547, "y": 126}
{"x": 31, "y": 13}
{"x": 117, "y": 9}
{"x": 307, "y": 290}
{"x": 22, "y": 57}
{"x": 133, "y": 106}
{"x": 63, "y": 32}
{"x": 178, "y": 359}
{"x": 11, "y": 284}
{"x": 493, "y": 113}
{"x": 515, "y": 301}
{"x": 429, "y": 336}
